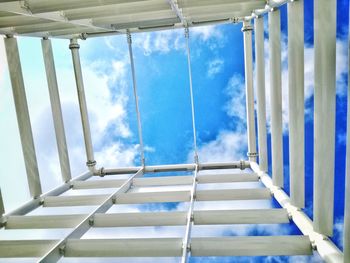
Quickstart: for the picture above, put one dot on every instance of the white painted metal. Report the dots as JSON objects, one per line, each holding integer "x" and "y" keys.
{"x": 251, "y": 246}
{"x": 140, "y": 219}
{"x": 24, "y": 248}
{"x": 140, "y": 247}
{"x": 74, "y": 47}
{"x": 56, "y": 109}
{"x": 23, "y": 119}
{"x": 260, "y": 89}
{"x": 296, "y": 101}
{"x": 43, "y": 221}
{"x": 94, "y": 184}
{"x": 226, "y": 178}
{"x": 56, "y": 252}
{"x": 195, "y": 152}
{"x": 134, "y": 85}
{"x": 248, "y": 69}
{"x": 276, "y": 96}
{"x": 241, "y": 216}
{"x": 190, "y": 219}
{"x": 324, "y": 114}
{"x": 163, "y": 181}
{"x": 346, "y": 234}
{"x": 233, "y": 194}
{"x": 325, "y": 247}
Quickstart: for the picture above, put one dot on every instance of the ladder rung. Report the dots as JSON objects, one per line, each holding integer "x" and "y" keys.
{"x": 25, "y": 248}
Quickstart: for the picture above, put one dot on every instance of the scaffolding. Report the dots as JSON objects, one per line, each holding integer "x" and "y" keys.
{"x": 81, "y": 19}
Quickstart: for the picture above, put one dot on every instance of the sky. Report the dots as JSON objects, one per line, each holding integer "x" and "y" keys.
{"x": 164, "y": 99}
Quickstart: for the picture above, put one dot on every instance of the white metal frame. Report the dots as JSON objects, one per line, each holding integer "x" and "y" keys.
{"x": 80, "y": 19}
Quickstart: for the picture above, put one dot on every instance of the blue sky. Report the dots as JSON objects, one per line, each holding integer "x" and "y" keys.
{"x": 164, "y": 97}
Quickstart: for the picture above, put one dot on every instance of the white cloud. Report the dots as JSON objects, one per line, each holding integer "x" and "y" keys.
{"x": 214, "y": 67}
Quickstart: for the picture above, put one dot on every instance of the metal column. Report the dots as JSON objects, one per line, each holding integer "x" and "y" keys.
{"x": 296, "y": 101}
{"x": 260, "y": 88}
{"x": 74, "y": 47}
{"x": 248, "y": 69}
{"x": 56, "y": 109}
{"x": 276, "y": 97}
{"x": 324, "y": 115}
{"x": 139, "y": 127}
{"x": 23, "y": 118}
{"x": 346, "y": 235}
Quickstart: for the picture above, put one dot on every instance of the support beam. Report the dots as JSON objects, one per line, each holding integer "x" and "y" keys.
{"x": 2, "y": 207}
{"x": 23, "y": 119}
{"x": 134, "y": 85}
{"x": 346, "y": 234}
{"x": 56, "y": 252}
{"x": 56, "y": 109}
{"x": 247, "y": 30}
{"x": 276, "y": 97}
{"x": 74, "y": 47}
{"x": 260, "y": 88}
{"x": 324, "y": 114}
{"x": 190, "y": 220}
{"x": 296, "y": 101}
{"x": 328, "y": 251}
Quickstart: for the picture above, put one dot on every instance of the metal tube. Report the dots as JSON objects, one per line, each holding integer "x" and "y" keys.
{"x": 276, "y": 97}
{"x": 56, "y": 109}
{"x": 190, "y": 219}
{"x": 260, "y": 88}
{"x": 324, "y": 114}
{"x": 328, "y": 251}
{"x": 346, "y": 234}
{"x": 74, "y": 47}
{"x": 55, "y": 253}
{"x": 23, "y": 118}
{"x": 296, "y": 101}
{"x": 196, "y": 160}
{"x": 2, "y": 207}
{"x": 134, "y": 82}
{"x": 248, "y": 69}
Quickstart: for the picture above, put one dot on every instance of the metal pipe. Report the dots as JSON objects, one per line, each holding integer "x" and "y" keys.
{"x": 56, "y": 252}
{"x": 56, "y": 109}
{"x": 260, "y": 88}
{"x": 276, "y": 97}
{"x": 346, "y": 234}
{"x": 248, "y": 69}
{"x": 324, "y": 114}
{"x": 328, "y": 251}
{"x": 296, "y": 101}
{"x": 23, "y": 119}
{"x": 190, "y": 219}
{"x": 134, "y": 82}
{"x": 196, "y": 160}
{"x": 2, "y": 207}
{"x": 74, "y": 47}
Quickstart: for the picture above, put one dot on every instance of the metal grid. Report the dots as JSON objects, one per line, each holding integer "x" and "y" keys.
{"x": 80, "y": 19}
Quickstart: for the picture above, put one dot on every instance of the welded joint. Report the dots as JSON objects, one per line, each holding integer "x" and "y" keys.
{"x": 290, "y": 216}
{"x": 247, "y": 27}
{"x": 42, "y": 201}
{"x": 74, "y": 44}
{"x": 242, "y": 165}
{"x": 62, "y": 249}
{"x": 114, "y": 199}
{"x": 192, "y": 217}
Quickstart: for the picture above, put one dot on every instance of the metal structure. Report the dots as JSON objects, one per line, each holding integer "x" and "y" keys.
{"x": 81, "y": 19}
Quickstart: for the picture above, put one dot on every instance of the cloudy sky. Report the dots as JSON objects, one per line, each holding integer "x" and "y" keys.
{"x": 164, "y": 98}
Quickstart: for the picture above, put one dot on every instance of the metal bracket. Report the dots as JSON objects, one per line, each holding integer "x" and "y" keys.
{"x": 62, "y": 249}
{"x": 91, "y": 221}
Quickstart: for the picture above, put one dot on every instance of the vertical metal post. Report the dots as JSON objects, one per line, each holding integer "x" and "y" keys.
{"x": 56, "y": 109}
{"x": 191, "y": 94}
{"x": 74, "y": 47}
{"x": 23, "y": 118}
{"x": 260, "y": 88}
{"x": 276, "y": 97}
{"x": 296, "y": 101}
{"x": 346, "y": 234}
{"x": 139, "y": 127}
{"x": 2, "y": 207}
{"x": 247, "y": 30}
{"x": 324, "y": 114}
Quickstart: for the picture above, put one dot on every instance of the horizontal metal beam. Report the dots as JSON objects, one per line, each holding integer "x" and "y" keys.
{"x": 141, "y": 247}
{"x": 173, "y": 218}
{"x": 168, "y": 196}
{"x": 251, "y": 246}
{"x": 24, "y": 248}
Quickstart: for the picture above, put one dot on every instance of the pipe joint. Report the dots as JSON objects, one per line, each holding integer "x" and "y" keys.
{"x": 74, "y": 44}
